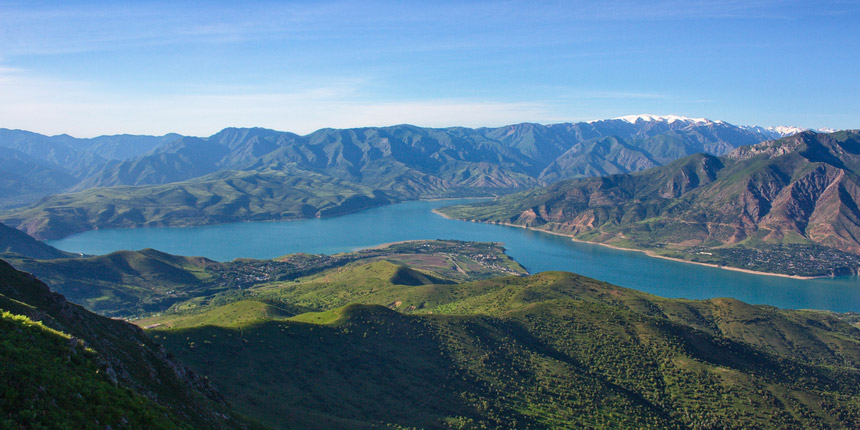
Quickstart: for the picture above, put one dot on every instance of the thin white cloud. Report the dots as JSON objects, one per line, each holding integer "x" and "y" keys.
{"x": 27, "y": 29}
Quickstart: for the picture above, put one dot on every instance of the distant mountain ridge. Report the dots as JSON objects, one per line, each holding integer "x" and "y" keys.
{"x": 385, "y": 164}
{"x": 522, "y": 150}
{"x": 36, "y": 165}
{"x": 775, "y": 132}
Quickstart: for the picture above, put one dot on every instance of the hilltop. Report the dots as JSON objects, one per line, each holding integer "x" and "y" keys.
{"x": 15, "y": 243}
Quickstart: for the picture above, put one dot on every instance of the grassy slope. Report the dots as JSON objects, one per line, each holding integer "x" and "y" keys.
{"x": 549, "y": 350}
{"x": 373, "y": 276}
{"x": 51, "y": 380}
{"x": 138, "y": 363}
{"x": 134, "y": 283}
{"x": 352, "y": 283}
{"x": 15, "y": 243}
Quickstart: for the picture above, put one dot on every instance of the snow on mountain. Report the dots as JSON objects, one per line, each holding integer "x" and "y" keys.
{"x": 633, "y": 119}
{"x": 783, "y": 131}
{"x": 786, "y": 130}
{"x": 774, "y": 132}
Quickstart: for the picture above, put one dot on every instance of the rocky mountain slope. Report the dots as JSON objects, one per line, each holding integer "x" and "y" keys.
{"x": 799, "y": 190}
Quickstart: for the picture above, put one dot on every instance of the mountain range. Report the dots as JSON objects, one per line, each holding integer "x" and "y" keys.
{"x": 193, "y": 180}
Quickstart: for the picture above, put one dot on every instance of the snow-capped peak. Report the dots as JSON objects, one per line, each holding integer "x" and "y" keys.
{"x": 783, "y": 131}
{"x": 633, "y": 119}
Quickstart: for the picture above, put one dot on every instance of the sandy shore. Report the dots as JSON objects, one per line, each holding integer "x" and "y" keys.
{"x": 441, "y": 199}
{"x": 646, "y": 252}
{"x": 386, "y": 245}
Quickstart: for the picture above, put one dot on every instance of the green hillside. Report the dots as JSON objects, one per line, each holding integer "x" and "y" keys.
{"x": 109, "y": 361}
{"x": 134, "y": 283}
{"x": 316, "y": 283}
{"x": 552, "y": 350}
{"x": 124, "y": 282}
{"x": 17, "y": 244}
{"x": 50, "y": 380}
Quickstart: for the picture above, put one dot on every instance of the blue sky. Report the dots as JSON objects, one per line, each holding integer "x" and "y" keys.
{"x": 91, "y": 68}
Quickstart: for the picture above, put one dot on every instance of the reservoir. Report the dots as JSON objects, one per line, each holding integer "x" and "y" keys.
{"x": 536, "y": 251}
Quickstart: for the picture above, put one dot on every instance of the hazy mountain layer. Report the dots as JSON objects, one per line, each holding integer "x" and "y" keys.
{"x": 437, "y": 159}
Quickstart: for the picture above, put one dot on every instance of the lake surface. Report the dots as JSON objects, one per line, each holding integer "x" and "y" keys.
{"x": 535, "y": 250}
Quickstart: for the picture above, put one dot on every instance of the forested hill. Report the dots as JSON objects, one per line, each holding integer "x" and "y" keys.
{"x": 551, "y": 350}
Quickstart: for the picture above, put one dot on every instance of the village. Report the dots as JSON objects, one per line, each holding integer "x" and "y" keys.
{"x": 458, "y": 260}
{"x": 789, "y": 259}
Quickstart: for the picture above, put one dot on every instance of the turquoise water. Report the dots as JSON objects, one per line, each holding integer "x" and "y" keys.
{"x": 536, "y": 251}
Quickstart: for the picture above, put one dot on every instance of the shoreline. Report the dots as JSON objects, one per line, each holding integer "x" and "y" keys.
{"x": 384, "y": 245}
{"x": 439, "y": 199}
{"x": 647, "y": 252}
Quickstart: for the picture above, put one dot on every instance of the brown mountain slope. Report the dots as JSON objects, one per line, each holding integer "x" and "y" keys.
{"x": 801, "y": 190}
